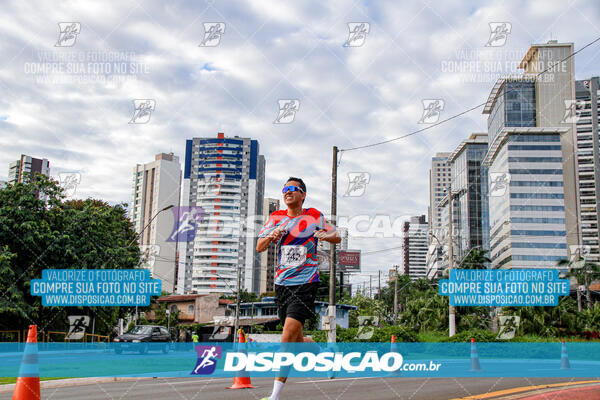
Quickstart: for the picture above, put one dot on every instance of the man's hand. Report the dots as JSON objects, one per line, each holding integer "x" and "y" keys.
{"x": 276, "y": 234}
{"x": 331, "y": 237}
{"x": 320, "y": 234}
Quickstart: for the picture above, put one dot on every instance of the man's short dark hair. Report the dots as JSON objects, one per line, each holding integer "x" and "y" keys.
{"x": 300, "y": 181}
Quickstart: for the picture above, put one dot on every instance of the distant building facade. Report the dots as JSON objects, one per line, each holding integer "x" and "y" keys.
{"x": 156, "y": 185}
{"x": 25, "y": 166}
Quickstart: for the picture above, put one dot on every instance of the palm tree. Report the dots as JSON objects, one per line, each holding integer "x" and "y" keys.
{"x": 584, "y": 272}
{"x": 476, "y": 258}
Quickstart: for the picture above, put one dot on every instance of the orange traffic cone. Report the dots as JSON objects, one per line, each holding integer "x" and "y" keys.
{"x": 394, "y": 349}
{"x": 474, "y": 357}
{"x": 241, "y": 382}
{"x": 28, "y": 382}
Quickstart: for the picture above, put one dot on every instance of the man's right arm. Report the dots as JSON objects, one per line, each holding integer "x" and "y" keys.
{"x": 263, "y": 243}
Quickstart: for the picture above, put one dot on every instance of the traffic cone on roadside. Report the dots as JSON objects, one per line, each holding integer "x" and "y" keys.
{"x": 474, "y": 357}
{"x": 28, "y": 382}
{"x": 393, "y": 345}
{"x": 241, "y": 382}
{"x": 564, "y": 357}
{"x": 394, "y": 349}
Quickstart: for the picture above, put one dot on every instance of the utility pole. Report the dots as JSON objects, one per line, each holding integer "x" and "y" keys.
{"x": 370, "y": 287}
{"x": 341, "y": 284}
{"x": 331, "y": 336}
{"x": 396, "y": 294}
{"x": 451, "y": 311}
{"x": 237, "y": 304}
{"x": 379, "y": 284}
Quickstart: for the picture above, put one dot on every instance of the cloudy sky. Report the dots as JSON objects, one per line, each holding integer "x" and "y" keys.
{"x": 70, "y": 100}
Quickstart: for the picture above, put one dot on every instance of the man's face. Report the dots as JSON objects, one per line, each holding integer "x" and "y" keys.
{"x": 292, "y": 199}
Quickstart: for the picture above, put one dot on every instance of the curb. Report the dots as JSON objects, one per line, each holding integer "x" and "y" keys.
{"x": 57, "y": 383}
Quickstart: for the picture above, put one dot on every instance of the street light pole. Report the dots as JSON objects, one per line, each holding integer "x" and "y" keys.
{"x": 140, "y": 234}
{"x": 237, "y": 304}
{"x": 451, "y": 310}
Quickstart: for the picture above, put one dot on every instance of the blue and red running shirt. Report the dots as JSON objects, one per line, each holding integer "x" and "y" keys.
{"x": 297, "y": 261}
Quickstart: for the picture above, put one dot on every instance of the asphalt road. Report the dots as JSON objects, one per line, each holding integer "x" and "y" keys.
{"x": 298, "y": 388}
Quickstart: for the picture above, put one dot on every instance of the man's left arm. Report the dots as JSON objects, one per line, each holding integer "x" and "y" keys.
{"x": 331, "y": 237}
{"x": 327, "y": 232}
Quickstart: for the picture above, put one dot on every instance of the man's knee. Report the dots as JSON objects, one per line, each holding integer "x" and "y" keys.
{"x": 292, "y": 330}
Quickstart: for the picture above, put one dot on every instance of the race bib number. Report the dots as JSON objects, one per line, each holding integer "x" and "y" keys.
{"x": 293, "y": 256}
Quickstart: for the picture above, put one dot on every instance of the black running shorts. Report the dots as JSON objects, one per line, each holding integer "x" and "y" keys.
{"x": 296, "y": 302}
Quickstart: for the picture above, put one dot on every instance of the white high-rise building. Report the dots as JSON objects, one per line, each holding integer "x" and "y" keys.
{"x": 415, "y": 245}
{"x": 532, "y": 197}
{"x": 586, "y": 117}
{"x": 156, "y": 185}
{"x": 224, "y": 176}
{"x": 439, "y": 179}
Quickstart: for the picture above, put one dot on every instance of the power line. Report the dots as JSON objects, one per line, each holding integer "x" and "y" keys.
{"x": 465, "y": 111}
{"x": 381, "y": 250}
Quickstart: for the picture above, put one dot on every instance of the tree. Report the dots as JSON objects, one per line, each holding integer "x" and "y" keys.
{"x": 40, "y": 230}
{"x": 426, "y": 312}
{"x": 584, "y": 272}
{"x": 245, "y": 296}
{"x": 476, "y": 258}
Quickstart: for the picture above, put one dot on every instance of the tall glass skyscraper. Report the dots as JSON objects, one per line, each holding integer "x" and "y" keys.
{"x": 470, "y": 190}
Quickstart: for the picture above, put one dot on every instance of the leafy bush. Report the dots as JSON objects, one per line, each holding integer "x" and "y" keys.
{"x": 589, "y": 319}
{"x": 382, "y": 334}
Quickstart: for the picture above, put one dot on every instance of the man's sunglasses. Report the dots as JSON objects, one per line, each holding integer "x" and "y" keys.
{"x": 291, "y": 189}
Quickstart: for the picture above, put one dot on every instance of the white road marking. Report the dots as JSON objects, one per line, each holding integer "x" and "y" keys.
{"x": 342, "y": 379}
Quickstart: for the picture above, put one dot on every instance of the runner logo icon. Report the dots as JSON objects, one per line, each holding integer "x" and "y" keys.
{"x": 207, "y": 359}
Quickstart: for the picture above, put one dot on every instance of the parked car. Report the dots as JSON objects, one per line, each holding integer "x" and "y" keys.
{"x": 143, "y": 338}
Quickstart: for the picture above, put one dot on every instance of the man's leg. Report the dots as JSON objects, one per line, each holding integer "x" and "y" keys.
{"x": 292, "y": 333}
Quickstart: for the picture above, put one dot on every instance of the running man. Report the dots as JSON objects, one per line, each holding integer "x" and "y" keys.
{"x": 296, "y": 232}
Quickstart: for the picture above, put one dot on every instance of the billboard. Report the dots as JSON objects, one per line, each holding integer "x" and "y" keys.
{"x": 349, "y": 260}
